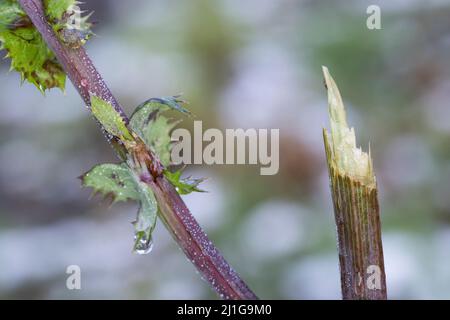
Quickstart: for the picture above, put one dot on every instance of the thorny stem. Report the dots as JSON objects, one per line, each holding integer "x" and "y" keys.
{"x": 173, "y": 212}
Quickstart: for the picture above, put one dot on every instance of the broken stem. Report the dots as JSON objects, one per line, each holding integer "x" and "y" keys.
{"x": 355, "y": 200}
{"x": 173, "y": 212}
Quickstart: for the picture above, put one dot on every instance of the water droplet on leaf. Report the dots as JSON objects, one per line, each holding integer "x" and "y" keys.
{"x": 143, "y": 244}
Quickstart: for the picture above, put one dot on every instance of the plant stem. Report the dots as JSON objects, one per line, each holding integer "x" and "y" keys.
{"x": 355, "y": 200}
{"x": 173, "y": 212}
{"x": 196, "y": 245}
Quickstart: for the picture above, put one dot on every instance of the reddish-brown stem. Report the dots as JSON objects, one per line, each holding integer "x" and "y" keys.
{"x": 196, "y": 245}
{"x": 173, "y": 212}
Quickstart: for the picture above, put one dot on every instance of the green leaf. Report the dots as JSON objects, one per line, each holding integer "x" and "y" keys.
{"x": 113, "y": 180}
{"x": 163, "y": 104}
{"x": 10, "y": 11}
{"x": 156, "y": 135}
{"x": 29, "y": 54}
{"x": 67, "y": 21}
{"x": 110, "y": 119}
{"x": 121, "y": 183}
{"x": 183, "y": 186}
{"x": 153, "y": 128}
{"x": 31, "y": 57}
{"x": 146, "y": 218}
{"x": 55, "y": 9}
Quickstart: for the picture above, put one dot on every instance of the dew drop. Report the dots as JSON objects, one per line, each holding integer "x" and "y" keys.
{"x": 84, "y": 82}
{"x": 143, "y": 244}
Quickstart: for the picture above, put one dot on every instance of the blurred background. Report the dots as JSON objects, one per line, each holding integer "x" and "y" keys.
{"x": 241, "y": 64}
